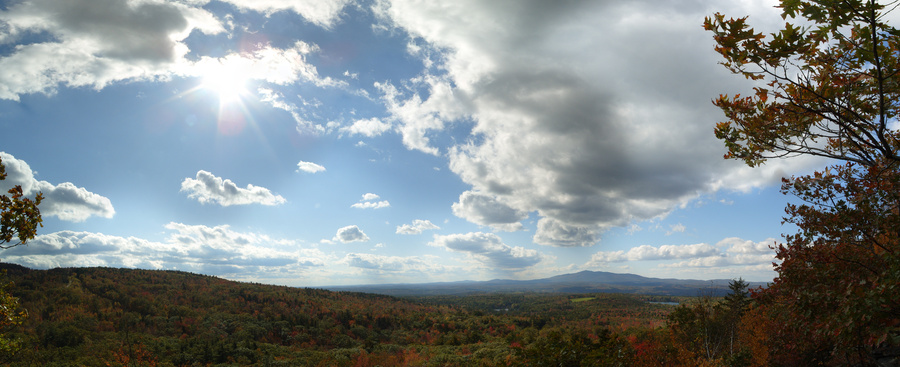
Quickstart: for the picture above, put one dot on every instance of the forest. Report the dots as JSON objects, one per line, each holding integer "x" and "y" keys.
{"x": 112, "y": 317}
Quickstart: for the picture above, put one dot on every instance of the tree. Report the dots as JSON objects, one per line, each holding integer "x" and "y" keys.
{"x": 706, "y": 332}
{"x": 19, "y": 218}
{"x": 19, "y": 215}
{"x": 734, "y": 305}
{"x": 831, "y": 85}
{"x": 830, "y": 88}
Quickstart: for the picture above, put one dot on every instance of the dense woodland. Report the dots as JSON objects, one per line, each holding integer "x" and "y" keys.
{"x": 110, "y": 317}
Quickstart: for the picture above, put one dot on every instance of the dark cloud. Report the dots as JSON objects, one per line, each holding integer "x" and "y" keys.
{"x": 593, "y": 114}
{"x": 489, "y": 250}
{"x": 485, "y": 210}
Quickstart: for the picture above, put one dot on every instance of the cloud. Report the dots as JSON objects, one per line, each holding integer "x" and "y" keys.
{"x": 320, "y": 12}
{"x": 419, "y": 118}
{"x": 489, "y": 250}
{"x": 94, "y": 43}
{"x": 64, "y": 201}
{"x": 485, "y": 210}
{"x": 593, "y": 115}
{"x": 741, "y": 246}
{"x": 350, "y": 234}
{"x": 309, "y": 167}
{"x": 280, "y": 66}
{"x": 207, "y": 188}
{"x": 729, "y": 252}
{"x": 211, "y": 250}
{"x": 676, "y": 228}
{"x": 664, "y": 252}
{"x": 368, "y": 202}
{"x": 369, "y": 127}
{"x": 386, "y": 263}
{"x": 416, "y": 227}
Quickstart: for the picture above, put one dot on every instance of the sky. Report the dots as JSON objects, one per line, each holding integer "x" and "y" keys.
{"x": 336, "y": 142}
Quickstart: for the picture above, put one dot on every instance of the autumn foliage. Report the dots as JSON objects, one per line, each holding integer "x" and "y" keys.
{"x": 829, "y": 87}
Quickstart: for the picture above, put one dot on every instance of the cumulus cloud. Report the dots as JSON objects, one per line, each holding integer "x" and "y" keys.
{"x": 96, "y": 43}
{"x": 309, "y": 167}
{"x": 350, "y": 234}
{"x": 368, "y": 202}
{"x": 207, "y": 188}
{"x": 64, "y": 201}
{"x": 417, "y": 227}
{"x": 487, "y": 211}
{"x": 274, "y": 65}
{"x": 369, "y": 127}
{"x": 665, "y": 252}
{"x": 728, "y": 252}
{"x": 212, "y": 250}
{"x": 569, "y": 118}
{"x": 321, "y": 12}
{"x": 386, "y": 263}
{"x": 489, "y": 250}
{"x": 741, "y": 246}
{"x": 676, "y": 228}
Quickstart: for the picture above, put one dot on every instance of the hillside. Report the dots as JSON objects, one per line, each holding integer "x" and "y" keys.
{"x": 104, "y": 316}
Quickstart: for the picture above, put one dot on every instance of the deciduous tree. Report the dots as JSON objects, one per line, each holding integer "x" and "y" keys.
{"x": 829, "y": 87}
{"x": 19, "y": 219}
{"x": 19, "y": 215}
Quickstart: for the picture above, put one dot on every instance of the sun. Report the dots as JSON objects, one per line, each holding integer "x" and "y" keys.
{"x": 227, "y": 78}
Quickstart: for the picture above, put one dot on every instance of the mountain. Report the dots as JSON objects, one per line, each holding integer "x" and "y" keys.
{"x": 581, "y": 282}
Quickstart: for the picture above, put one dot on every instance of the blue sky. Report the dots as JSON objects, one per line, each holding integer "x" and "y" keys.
{"x": 314, "y": 143}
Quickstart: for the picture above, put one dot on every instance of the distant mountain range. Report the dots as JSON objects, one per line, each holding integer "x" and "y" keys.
{"x": 581, "y": 282}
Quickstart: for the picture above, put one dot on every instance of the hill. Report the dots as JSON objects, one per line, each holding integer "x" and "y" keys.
{"x": 581, "y": 282}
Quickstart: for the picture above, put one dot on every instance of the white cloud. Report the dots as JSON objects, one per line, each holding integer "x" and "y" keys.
{"x": 386, "y": 263}
{"x": 729, "y": 252}
{"x": 95, "y": 43}
{"x": 741, "y": 246}
{"x": 371, "y": 205}
{"x": 321, "y": 12}
{"x": 309, "y": 167}
{"x": 350, "y": 234}
{"x": 418, "y": 118}
{"x": 64, "y": 201}
{"x": 368, "y": 202}
{"x": 665, "y": 252}
{"x": 274, "y": 65}
{"x": 676, "y": 228}
{"x": 417, "y": 227}
{"x": 369, "y": 127}
{"x": 489, "y": 250}
{"x": 207, "y": 188}
{"x": 211, "y": 250}
{"x": 569, "y": 118}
